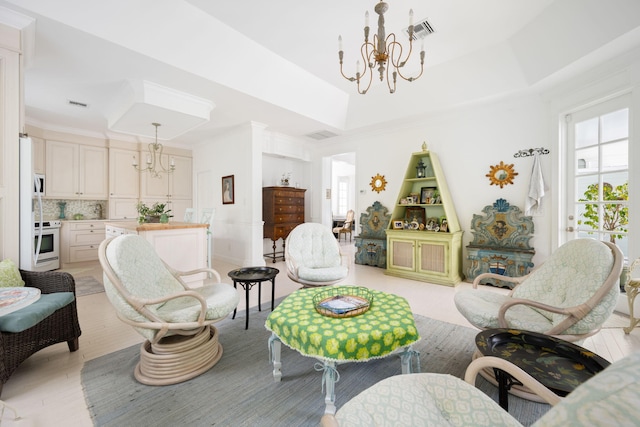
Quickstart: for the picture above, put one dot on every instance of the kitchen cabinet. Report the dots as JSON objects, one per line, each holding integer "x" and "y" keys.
{"x": 424, "y": 239}
{"x": 175, "y": 189}
{"x": 76, "y": 171}
{"x": 124, "y": 179}
{"x": 80, "y": 240}
{"x": 38, "y": 153}
{"x": 123, "y": 208}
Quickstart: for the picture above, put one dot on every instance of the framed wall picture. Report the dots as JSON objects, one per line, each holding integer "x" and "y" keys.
{"x": 228, "y": 185}
{"x": 416, "y": 214}
{"x": 426, "y": 194}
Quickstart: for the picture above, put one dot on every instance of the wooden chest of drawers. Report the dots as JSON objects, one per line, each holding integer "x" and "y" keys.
{"x": 282, "y": 210}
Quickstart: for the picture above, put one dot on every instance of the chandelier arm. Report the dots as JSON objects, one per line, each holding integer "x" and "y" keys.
{"x": 368, "y": 68}
{"x": 398, "y": 65}
{"x": 161, "y": 148}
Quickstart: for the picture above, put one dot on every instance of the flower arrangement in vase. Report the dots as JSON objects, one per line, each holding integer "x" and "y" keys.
{"x": 156, "y": 213}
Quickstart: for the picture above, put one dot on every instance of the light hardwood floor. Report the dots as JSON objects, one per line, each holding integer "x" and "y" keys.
{"x": 46, "y": 389}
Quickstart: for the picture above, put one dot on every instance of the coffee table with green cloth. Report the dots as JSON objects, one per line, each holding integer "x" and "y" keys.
{"x": 386, "y": 328}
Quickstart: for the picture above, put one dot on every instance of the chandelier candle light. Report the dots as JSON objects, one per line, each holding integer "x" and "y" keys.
{"x": 385, "y": 51}
{"x": 154, "y": 159}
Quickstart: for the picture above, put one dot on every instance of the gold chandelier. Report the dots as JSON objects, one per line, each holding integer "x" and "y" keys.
{"x": 384, "y": 51}
{"x": 154, "y": 159}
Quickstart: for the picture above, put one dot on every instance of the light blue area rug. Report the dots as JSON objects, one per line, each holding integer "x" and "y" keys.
{"x": 240, "y": 390}
{"x": 87, "y": 285}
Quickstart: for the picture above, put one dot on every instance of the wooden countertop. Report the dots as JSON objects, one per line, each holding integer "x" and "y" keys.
{"x": 154, "y": 226}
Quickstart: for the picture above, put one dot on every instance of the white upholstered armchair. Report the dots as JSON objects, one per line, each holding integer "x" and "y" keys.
{"x": 176, "y": 320}
{"x": 313, "y": 256}
{"x": 570, "y": 296}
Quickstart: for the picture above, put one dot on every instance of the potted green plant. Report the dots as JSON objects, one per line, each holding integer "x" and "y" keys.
{"x": 158, "y": 212}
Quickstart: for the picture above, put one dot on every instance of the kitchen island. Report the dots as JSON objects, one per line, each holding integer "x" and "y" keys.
{"x": 182, "y": 245}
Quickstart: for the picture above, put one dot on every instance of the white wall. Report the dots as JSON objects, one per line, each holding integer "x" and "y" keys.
{"x": 237, "y": 228}
{"x": 467, "y": 141}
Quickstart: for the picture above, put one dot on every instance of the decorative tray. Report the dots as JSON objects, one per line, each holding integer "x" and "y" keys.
{"x": 558, "y": 364}
{"x": 342, "y": 301}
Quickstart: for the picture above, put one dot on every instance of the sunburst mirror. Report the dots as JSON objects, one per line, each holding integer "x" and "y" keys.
{"x": 378, "y": 183}
{"x": 501, "y": 174}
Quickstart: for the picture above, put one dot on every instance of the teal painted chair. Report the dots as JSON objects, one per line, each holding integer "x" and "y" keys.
{"x": 610, "y": 398}
{"x": 569, "y": 296}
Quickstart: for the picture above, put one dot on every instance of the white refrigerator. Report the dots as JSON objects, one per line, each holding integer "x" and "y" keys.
{"x": 31, "y": 234}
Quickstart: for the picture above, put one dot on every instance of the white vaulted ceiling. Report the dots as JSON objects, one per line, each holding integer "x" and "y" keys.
{"x": 276, "y": 62}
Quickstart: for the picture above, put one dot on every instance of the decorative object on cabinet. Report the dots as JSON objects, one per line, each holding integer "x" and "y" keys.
{"x": 286, "y": 177}
{"x": 228, "y": 188}
{"x": 282, "y": 211}
{"x": 421, "y": 170}
{"x": 62, "y": 205}
{"x": 426, "y": 194}
{"x": 371, "y": 244}
{"x": 378, "y": 183}
{"x": 158, "y": 212}
{"x": 425, "y": 256}
{"x": 500, "y": 243}
{"x": 398, "y": 225}
{"x": 415, "y": 214}
{"x": 154, "y": 159}
{"x": 501, "y": 174}
{"x": 385, "y": 52}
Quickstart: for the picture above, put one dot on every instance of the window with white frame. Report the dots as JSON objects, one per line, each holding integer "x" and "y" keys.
{"x": 600, "y": 143}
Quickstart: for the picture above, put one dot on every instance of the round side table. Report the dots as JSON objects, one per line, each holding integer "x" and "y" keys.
{"x": 248, "y": 277}
{"x": 558, "y": 365}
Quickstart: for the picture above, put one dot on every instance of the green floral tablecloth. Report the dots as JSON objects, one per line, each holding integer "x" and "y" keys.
{"x": 385, "y": 327}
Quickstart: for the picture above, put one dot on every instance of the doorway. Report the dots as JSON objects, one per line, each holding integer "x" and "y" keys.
{"x": 343, "y": 186}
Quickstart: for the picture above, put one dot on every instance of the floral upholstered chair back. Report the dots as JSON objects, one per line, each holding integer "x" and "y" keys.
{"x": 313, "y": 256}
{"x": 141, "y": 274}
{"x": 581, "y": 273}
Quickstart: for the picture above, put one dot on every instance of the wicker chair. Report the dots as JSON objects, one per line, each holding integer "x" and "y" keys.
{"x": 177, "y": 321}
{"x": 313, "y": 256}
{"x": 58, "y": 327}
{"x": 569, "y": 296}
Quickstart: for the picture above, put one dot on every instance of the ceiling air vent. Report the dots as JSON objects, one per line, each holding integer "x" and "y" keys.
{"x": 323, "y": 134}
{"x": 421, "y": 30}
{"x": 78, "y": 104}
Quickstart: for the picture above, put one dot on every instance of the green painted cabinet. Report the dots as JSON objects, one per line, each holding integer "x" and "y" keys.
{"x": 424, "y": 239}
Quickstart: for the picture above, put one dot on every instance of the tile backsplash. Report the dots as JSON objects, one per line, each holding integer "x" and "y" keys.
{"x": 88, "y": 208}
